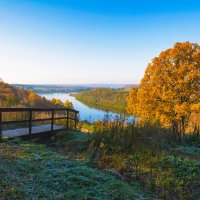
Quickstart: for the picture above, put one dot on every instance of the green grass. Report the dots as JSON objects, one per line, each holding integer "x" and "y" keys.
{"x": 169, "y": 169}
{"x": 166, "y": 169}
{"x": 33, "y": 171}
{"x": 66, "y": 167}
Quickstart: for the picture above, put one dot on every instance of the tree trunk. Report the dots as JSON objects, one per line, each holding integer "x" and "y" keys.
{"x": 175, "y": 130}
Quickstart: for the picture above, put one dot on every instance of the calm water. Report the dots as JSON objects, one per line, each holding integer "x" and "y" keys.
{"x": 85, "y": 112}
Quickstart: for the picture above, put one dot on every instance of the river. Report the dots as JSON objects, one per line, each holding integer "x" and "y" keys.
{"x": 85, "y": 112}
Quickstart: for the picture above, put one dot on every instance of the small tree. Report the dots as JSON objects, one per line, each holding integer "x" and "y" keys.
{"x": 170, "y": 89}
{"x": 32, "y": 98}
{"x": 68, "y": 104}
{"x": 57, "y": 102}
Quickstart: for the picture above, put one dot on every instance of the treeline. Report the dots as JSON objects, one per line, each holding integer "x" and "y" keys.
{"x": 18, "y": 97}
{"x": 104, "y": 98}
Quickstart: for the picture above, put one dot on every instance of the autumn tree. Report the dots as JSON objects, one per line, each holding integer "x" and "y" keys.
{"x": 132, "y": 101}
{"x": 57, "y": 102}
{"x": 68, "y": 104}
{"x": 32, "y": 98}
{"x": 170, "y": 89}
{"x": 10, "y": 100}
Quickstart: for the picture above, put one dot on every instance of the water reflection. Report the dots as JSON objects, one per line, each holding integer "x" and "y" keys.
{"x": 85, "y": 112}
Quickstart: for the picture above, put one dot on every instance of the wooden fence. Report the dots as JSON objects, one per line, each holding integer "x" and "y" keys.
{"x": 69, "y": 114}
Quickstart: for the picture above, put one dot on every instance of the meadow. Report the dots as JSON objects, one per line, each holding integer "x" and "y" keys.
{"x": 146, "y": 155}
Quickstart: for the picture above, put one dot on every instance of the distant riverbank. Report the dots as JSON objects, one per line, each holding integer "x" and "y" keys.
{"x": 104, "y": 99}
{"x": 102, "y": 107}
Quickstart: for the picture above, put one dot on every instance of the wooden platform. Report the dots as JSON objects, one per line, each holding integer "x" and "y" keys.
{"x": 35, "y": 130}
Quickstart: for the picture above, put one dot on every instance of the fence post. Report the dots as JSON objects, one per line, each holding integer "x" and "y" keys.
{"x": 52, "y": 119}
{"x": 67, "y": 118}
{"x": 30, "y": 124}
{"x": 0, "y": 125}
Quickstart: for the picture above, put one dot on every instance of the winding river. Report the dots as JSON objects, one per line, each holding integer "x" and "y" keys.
{"x": 85, "y": 112}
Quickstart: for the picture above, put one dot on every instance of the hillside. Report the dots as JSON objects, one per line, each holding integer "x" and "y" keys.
{"x": 18, "y": 97}
{"x": 139, "y": 155}
{"x": 32, "y": 171}
{"x": 104, "y": 98}
{"x": 74, "y": 165}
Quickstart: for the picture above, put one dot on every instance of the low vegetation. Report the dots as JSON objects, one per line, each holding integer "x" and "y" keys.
{"x": 104, "y": 98}
{"x": 32, "y": 171}
{"x": 138, "y": 154}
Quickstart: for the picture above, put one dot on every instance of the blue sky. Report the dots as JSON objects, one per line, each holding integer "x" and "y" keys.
{"x": 88, "y": 41}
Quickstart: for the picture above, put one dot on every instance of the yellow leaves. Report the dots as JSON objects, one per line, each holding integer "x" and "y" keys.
{"x": 68, "y": 104}
{"x": 195, "y": 107}
{"x": 182, "y": 110}
{"x": 169, "y": 90}
{"x": 102, "y": 145}
{"x": 57, "y": 101}
{"x": 132, "y": 101}
{"x": 32, "y": 98}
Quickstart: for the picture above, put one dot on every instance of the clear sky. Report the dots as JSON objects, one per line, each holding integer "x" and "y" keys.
{"x": 90, "y": 41}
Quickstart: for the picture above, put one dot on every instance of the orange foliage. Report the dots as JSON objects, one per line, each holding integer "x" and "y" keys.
{"x": 170, "y": 89}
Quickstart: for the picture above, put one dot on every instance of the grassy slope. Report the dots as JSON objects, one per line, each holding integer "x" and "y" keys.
{"x": 32, "y": 171}
{"x": 168, "y": 173}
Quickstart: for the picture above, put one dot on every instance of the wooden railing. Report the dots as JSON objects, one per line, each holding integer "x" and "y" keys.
{"x": 66, "y": 111}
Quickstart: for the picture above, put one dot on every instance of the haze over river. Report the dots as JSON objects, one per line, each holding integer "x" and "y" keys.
{"x": 85, "y": 112}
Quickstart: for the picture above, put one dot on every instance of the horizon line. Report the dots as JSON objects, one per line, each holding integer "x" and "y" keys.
{"x": 73, "y": 83}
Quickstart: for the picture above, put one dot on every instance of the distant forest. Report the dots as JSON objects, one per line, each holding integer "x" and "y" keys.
{"x": 104, "y": 98}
